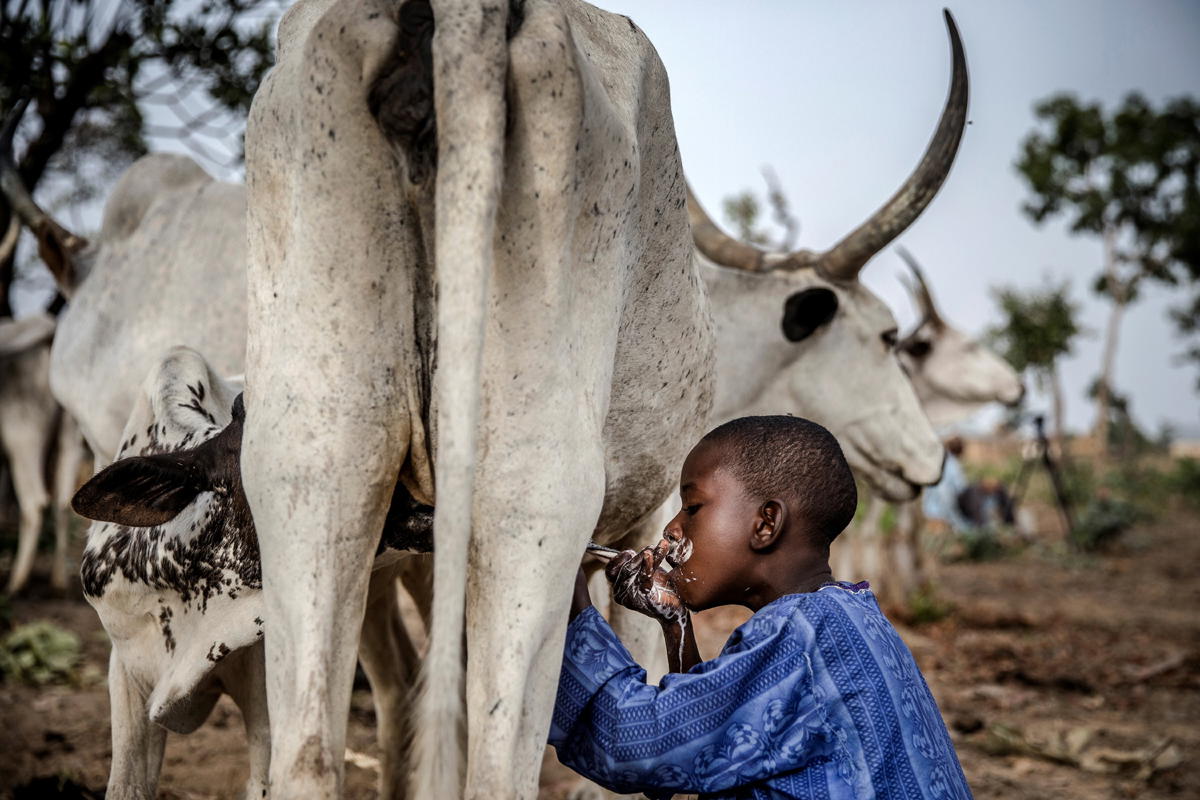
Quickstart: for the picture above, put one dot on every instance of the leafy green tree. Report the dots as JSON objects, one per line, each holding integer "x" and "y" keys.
{"x": 1038, "y": 327}
{"x": 743, "y": 212}
{"x": 1129, "y": 177}
{"x": 94, "y": 70}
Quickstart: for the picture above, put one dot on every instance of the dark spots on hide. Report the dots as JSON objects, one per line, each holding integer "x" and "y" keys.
{"x": 218, "y": 555}
{"x": 495, "y": 706}
{"x": 195, "y": 405}
{"x": 331, "y": 134}
{"x": 164, "y": 622}
{"x": 258, "y": 621}
{"x": 217, "y": 652}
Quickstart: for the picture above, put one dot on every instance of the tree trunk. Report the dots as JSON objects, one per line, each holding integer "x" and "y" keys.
{"x": 1056, "y": 395}
{"x": 1119, "y": 293}
{"x": 1103, "y": 389}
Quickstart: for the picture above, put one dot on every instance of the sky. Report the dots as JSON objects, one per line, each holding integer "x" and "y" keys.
{"x": 840, "y": 98}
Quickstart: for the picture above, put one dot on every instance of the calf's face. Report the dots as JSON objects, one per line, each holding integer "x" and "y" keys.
{"x": 196, "y": 554}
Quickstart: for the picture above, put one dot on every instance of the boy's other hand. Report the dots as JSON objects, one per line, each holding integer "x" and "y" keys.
{"x": 640, "y": 584}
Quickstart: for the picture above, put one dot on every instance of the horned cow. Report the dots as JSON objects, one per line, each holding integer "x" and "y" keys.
{"x": 172, "y": 568}
{"x": 954, "y": 375}
{"x": 828, "y": 344}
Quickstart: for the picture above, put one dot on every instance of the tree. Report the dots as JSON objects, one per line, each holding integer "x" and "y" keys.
{"x": 743, "y": 212}
{"x": 96, "y": 70}
{"x": 1039, "y": 327}
{"x": 1129, "y": 177}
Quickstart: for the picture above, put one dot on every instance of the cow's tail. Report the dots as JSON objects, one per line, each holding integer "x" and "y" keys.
{"x": 469, "y": 66}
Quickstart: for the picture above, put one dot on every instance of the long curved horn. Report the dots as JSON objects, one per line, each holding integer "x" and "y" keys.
{"x": 847, "y": 257}
{"x": 56, "y": 244}
{"x": 844, "y": 260}
{"x": 920, "y": 289}
{"x": 718, "y": 246}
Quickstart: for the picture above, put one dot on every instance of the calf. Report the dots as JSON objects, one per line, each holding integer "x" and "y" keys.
{"x": 172, "y": 568}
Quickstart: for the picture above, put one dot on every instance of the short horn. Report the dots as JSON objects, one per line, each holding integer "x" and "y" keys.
{"x": 721, "y": 248}
{"x": 846, "y": 258}
{"x": 56, "y": 244}
{"x": 920, "y": 289}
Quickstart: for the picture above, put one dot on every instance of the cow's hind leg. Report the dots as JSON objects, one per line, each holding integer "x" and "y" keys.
{"x": 522, "y": 565}
{"x": 319, "y": 479}
{"x": 32, "y": 499}
{"x": 390, "y": 661}
{"x": 330, "y": 370}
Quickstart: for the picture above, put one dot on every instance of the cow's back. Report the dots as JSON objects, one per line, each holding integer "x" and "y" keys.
{"x": 168, "y": 269}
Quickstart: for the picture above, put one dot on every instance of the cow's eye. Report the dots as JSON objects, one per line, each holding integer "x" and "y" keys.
{"x": 807, "y": 310}
{"x": 918, "y": 348}
{"x": 890, "y": 338}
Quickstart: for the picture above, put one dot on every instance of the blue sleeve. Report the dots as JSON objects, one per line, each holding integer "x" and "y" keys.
{"x": 749, "y": 714}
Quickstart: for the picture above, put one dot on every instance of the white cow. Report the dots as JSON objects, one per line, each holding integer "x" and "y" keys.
{"x": 172, "y": 568}
{"x": 820, "y": 344}
{"x": 954, "y": 376}
{"x": 167, "y": 268}
{"x": 35, "y": 434}
{"x": 556, "y": 381}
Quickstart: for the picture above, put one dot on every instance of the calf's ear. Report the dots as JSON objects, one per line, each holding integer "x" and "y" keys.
{"x": 140, "y": 491}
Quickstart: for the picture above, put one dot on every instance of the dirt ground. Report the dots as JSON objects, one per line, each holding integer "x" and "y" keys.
{"x": 1059, "y": 676}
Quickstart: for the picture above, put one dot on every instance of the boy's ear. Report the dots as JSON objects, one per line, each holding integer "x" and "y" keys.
{"x": 769, "y": 525}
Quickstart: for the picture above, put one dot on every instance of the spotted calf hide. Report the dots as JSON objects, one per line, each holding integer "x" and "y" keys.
{"x": 176, "y": 597}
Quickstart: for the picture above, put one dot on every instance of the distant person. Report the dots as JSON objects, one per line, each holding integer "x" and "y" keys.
{"x": 941, "y": 501}
{"x": 814, "y": 696}
{"x": 986, "y": 505}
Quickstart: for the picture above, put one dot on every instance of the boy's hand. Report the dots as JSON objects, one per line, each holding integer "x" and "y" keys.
{"x": 638, "y": 583}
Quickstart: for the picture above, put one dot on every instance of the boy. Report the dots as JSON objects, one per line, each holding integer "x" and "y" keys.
{"x": 815, "y": 696}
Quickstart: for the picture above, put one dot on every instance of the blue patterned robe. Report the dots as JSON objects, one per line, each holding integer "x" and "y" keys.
{"x": 815, "y": 696}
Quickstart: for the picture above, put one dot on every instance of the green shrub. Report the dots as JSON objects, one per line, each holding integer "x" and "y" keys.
{"x": 39, "y": 653}
{"x": 1184, "y": 480}
{"x": 925, "y": 606}
{"x": 1102, "y": 521}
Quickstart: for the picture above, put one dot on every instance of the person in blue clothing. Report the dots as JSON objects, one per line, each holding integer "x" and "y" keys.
{"x": 815, "y": 696}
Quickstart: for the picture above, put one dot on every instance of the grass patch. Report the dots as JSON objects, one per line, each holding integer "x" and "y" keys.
{"x": 39, "y": 653}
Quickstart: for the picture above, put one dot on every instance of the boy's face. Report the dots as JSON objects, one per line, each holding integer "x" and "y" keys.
{"x": 713, "y": 530}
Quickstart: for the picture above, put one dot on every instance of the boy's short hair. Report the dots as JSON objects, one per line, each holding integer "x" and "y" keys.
{"x": 795, "y": 459}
